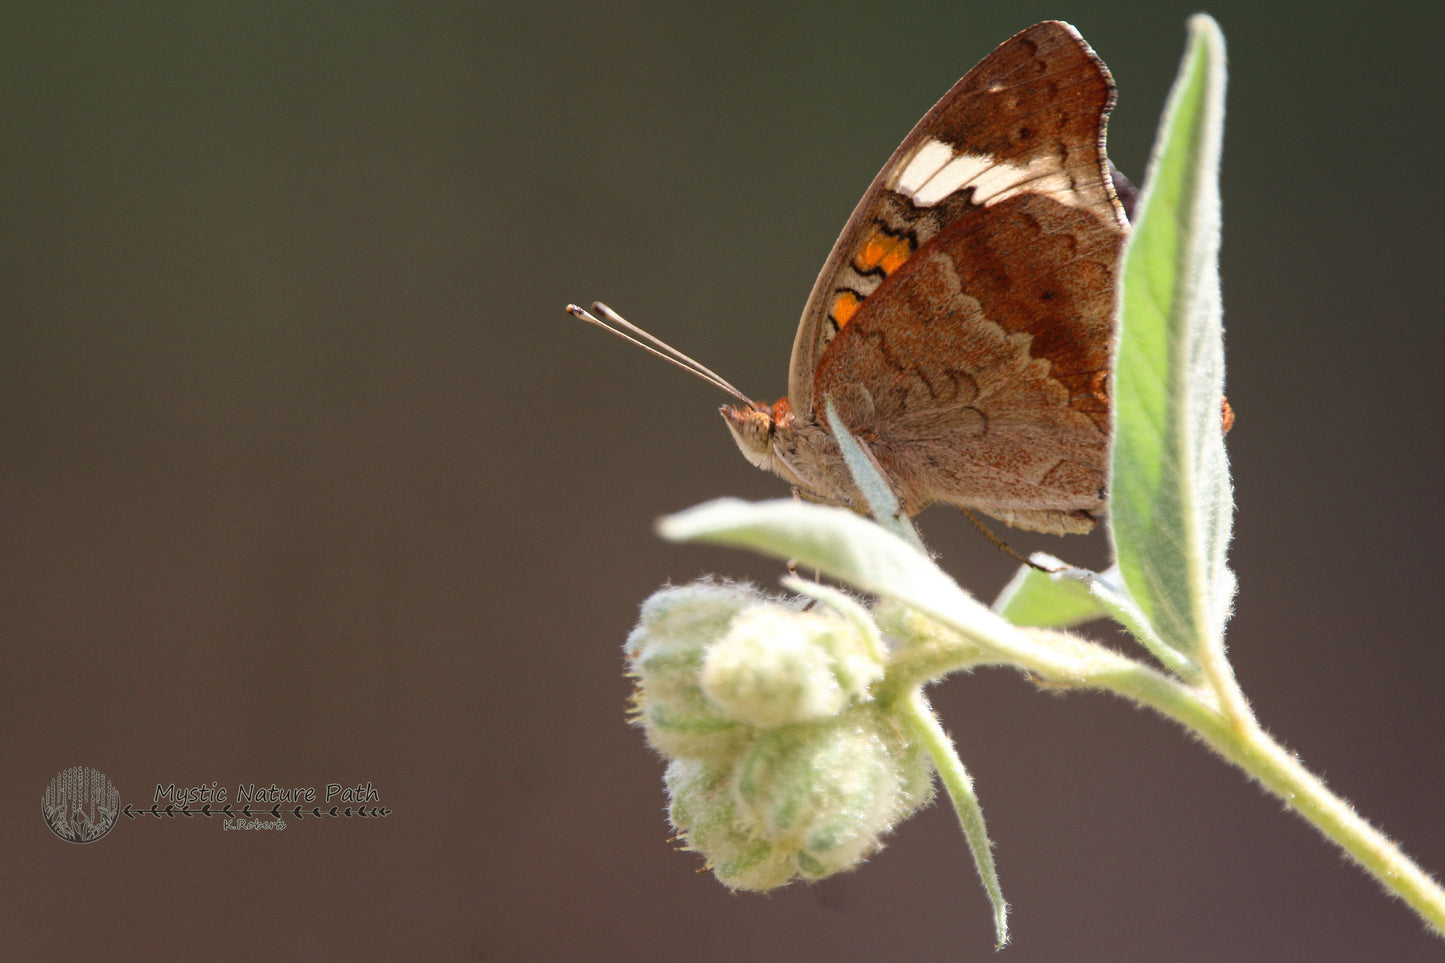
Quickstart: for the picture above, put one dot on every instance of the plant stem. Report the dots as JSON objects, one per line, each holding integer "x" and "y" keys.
{"x": 1240, "y": 740}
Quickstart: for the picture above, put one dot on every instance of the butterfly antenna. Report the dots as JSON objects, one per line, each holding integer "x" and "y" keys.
{"x": 615, "y": 323}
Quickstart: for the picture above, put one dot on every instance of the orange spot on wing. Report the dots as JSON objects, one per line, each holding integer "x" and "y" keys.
{"x": 882, "y": 251}
{"x": 845, "y": 305}
{"x": 869, "y": 254}
{"x": 901, "y": 251}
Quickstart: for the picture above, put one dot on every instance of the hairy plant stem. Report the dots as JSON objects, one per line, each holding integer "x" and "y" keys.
{"x": 1238, "y": 737}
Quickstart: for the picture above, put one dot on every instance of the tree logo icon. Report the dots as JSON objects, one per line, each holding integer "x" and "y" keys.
{"x": 80, "y": 804}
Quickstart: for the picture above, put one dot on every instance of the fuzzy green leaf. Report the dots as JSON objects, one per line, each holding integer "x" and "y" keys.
{"x": 1047, "y": 600}
{"x": 1170, "y": 497}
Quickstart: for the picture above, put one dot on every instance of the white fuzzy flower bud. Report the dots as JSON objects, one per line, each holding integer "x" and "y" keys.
{"x": 830, "y": 793}
{"x": 781, "y": 764}
{"x": 665, "y": 654}
{"x": 776, "y": 666}
{"x": 702, "y": 810}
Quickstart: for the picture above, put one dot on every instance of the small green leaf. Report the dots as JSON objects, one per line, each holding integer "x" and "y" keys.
{"x": 1064, "y": 596}
{"x": 1045, "y": 600}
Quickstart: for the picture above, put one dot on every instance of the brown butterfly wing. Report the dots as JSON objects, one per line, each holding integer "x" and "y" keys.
{"x": 978, "y": 374}
{"x": 963, "y": 321}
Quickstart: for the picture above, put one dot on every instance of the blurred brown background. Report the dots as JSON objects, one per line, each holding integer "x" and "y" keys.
{"x": 306, "y": 478}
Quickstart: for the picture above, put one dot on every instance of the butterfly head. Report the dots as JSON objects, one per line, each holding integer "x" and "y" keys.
{"x": 758, "y": 429}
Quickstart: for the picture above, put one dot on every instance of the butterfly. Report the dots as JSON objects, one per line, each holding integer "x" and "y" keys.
{"x": 962, "y": 325}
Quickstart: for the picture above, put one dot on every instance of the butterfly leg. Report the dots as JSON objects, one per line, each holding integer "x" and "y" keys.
{"x": 1001, "y": 545}
{"x": 792, "y": 563}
